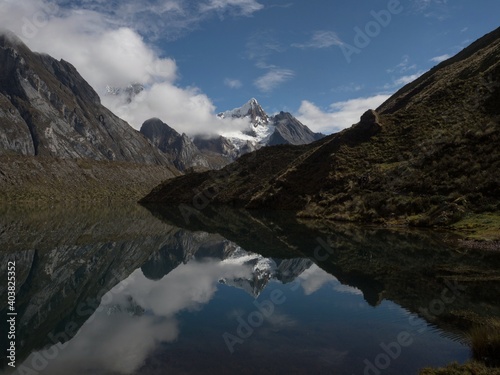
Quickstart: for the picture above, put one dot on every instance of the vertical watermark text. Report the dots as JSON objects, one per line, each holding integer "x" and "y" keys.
{"x": 11, "y": 313}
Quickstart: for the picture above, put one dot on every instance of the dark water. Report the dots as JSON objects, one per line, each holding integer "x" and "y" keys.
{"x": 119, "y": 291}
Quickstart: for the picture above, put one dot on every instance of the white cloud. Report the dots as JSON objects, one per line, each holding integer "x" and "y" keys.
{"x": 107, "y": 54}
{"x": 233, "y": 83}
{"x": 351, "y": 87}
{"x": 273, "y": 78}
{"x": 401, "y": 81}
{"x": 437, "y": 9}
{"x": 339, "y": 115}
{"x": 404, "y": 66}
{"x": 169, "y": 19}
{"x": 424, "y": 4}
{"x": 242, "y": 7}
{"x": 321, "y": 39}
{"x": 262, "y": 44}
{"x": 407, "y": 79}
{"x": 259, "y": 47}
{"x": 441, "y": 58}
{"x": 187, "y": 110}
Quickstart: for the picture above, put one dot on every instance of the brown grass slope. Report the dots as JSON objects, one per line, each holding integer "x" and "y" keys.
{"x": 429, "y": 155}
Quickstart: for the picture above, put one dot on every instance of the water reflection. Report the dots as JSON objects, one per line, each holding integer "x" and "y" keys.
{"x": 117, "y": 291}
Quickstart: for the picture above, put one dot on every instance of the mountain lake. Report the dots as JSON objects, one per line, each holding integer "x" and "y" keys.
{"x": 171, "y": 290}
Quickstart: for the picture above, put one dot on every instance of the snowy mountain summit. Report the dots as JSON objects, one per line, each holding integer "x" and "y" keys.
{"x": 251, "y": 110}
{"x": 265, "y": 130}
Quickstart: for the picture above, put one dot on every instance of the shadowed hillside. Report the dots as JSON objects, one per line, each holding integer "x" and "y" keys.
{"x": 428, "y": 156}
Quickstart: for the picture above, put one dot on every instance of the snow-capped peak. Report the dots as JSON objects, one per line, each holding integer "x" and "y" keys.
{"x": 260, "y": 127}
{"x": 251, "y": 110}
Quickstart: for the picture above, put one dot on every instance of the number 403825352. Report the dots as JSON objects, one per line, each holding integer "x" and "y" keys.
{"x": 11, "y": 284}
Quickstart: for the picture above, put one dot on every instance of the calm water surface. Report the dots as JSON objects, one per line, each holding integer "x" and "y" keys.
{"x": 122, "y": 292}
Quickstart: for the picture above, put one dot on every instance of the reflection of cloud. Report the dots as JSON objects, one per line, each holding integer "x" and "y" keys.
{"x": 117, "y": 339}
{"x": 117, "y": 344}
{"x": 314, "y": 278}
{"x": 347, "y": 289}
{"x": 279, "y": 321}
{"x": 186, "y": 287}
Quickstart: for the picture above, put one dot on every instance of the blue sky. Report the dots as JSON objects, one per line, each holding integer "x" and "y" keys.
{"x": 214, "y": 55}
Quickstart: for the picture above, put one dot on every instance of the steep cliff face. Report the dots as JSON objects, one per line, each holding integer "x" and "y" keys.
{"x": 289, "y": 130}
{"x": 178, "y": 148}
{"x": 224, "y": 149}
{"x": 48, "y": 109}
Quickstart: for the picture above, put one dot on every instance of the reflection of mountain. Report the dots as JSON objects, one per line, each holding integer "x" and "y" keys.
{"x": 184, "y": 246}
{"x": 266, "y": 269}
{"x": 411, "y": 268}
{"x": 68, "y": 258}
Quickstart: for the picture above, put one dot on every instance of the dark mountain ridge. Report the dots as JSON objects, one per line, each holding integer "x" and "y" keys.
{"x": 427, "y": 156}
{"x": 179, "y": 148}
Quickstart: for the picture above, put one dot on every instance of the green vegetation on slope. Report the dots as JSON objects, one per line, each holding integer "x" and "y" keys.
{"x": 429, "y": 156}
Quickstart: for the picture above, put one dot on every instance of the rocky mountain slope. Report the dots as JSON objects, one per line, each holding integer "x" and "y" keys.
{"x": 47, "y": 110}
{"x": 180, "y": 149}
{"x": 427, "y": 156}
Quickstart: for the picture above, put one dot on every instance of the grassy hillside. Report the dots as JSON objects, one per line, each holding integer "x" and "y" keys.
{"x": 429, "y": 156}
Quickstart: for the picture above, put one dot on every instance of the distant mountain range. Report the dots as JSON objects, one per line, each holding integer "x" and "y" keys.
{"x": 428, "y": 156}
{"x": 209, "y": 152}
